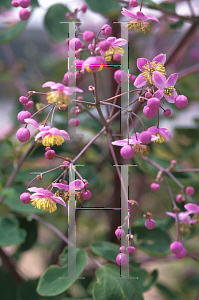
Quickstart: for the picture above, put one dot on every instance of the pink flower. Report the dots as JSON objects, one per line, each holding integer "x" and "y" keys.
{"x": 115, "y": 47}
{"x": 94, "y": 64}
{"x": 59, "y": 93}
{"x": 139, "y": 20}
{"x": 74, "y": 185}
{"x": 166, "y": 87}
{"x": 44, "y": 199}
{"x": 147, "y": 68}
{"x": 162, "y": 133}
{"x": 192, "y": 208}
{"x": 182, "y": 216}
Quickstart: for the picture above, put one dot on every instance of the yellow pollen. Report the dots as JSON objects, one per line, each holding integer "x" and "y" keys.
{"x": 139, "y": 25}
{"x": 143, "y": 150}
{"x": 169, "y": 91}
{"x": 45, "y": 204}
{"x": 101, "y": 66}
{"x": 58, "y": 97}
{"x": 161, "y": 138}
{"x": 108, "y": 55}
{"x": 51, "y": 140}
{"x": 150, "y": 68}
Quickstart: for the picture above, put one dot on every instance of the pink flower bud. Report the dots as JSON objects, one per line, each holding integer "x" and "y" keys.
{"x": 24, "y": 3}
{"x": 176, "y": 247}
{"x": 29, "y": 104}
{"x": 181, "y": 101}
{"x": 24, "y": 14}
{"x": 182, "y": 254}
{"x": 88, "y": 36}
{"x": 106, "y": 29}
{"x": 86, "y": 184}
{"x": 149, "y": 113}
{"x": 155, "y": 186}
{"x": 153, "y": 103}
{"x": 122, "y": 249}
{"x": 104, "y": 45}
{"x": 133, "y": 3}
{"x": 66, "y": 163}
{"x": 25, "y": 198}
{"x": 119, "y": 232}
{"x": 120, "y": 76}
{"x": 127, "y": 152}
{"x": 15, "y": 3}
{"x": 77, "y": 54}
{"x": 69, "y": 77}
{"x": 78, "y": 111}
{"x": 75, "y": 44}
{"x": 167, "y": 112}
{"x": 47, "y": 148}
{"x": 78, "y": 64}
{"x": 148, "y": 95}
{"x": 122, "y": 259}
{"x": 78, "y": 74}
{"x": 117, "y": 56}
{"x": 23, "y": 100}
{"x": 179, "y": 198}
{"x": 23, "y": 115}
{"x": 68, "y": 15}
{"x": 150, "y": 224}
{"x": 73, "y": 122}
{"x": 145, "y": 137}
{"x": 173, "y": 162}
{"x": 189, "y": 190}
{"x": 132, "y": 79}
{"x": 23, "y": 135}
{"x": 130, "y": 250}
{"x": 50, "y": 154}
{"x": 84, "y": 8}
{"x": 86, "y": 195}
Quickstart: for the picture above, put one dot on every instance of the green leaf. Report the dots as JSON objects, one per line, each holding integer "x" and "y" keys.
{"x": 7, "y": 191}
{"x": 110, "y": 251}
{"x": 168, "y": 293}
{"x": 11, "y": 33}
{"x": 57, "y": 32}
{"x": 167, "y": 6}
{"x": 31, "y": 237}
{"x": 109, "y": 9}
{"x": 150, "y": 281}
{"x": 148, "y": 2}
{"x": 8, "y": 286}
{"x": 10, "y": 233}
{"x": 34, "y": 3}
{"x": 5, "y": 4}
{"x": 177, "y": 24}
{"x": 50, "y": 284}
{"x": 109, "y": 286}
{"x": 155, "y": 242}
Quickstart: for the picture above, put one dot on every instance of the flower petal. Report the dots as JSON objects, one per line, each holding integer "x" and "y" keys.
{"x": 165, "y": 133}
{"x": 127, "y": 13}
{"x": 159, "y": 94}
{"x": 76, "y": 185}
{"x": 48, "y": 84}
{"x": 141, "y": 16}
{"x": 140, "y": 81}
{"x": 153, "y": 18}
{"x": 61, "y": 186}
{"x": 160, "y": 58}
{"x": 111, "y": 39}
{"x": 32, "y": 122}
{"x": 120, "y": 42}
{"x": 58, "y": 200}
{"x": 159, "y": 80}
{"x": 173, "y": 215}
{"x": 120, "y": 142}
{"x": 142, "y": 62}
{"x": 192, "y": 208}
{"x": 64, "y": 134}
{"x": 171, "y": 81}
{"x": 152, "y": 130}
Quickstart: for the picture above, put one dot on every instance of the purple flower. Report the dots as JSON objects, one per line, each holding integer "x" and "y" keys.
{"x": 147, "y": 68}
{"x": 139, "y": 20}
{"x": 44, "y": 199}
{"x": 59, "y": 93}
{"x": 166, "y": 86}
{"x": 162, "y": 133}
{"x": 115, "y": 47}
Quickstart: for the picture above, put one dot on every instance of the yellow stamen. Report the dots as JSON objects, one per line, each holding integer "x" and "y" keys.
{"x": 161, "y": 138}
{"x": 150, "y": 68}
{"x": 58, "y": 97}
{"x": 51, "y": 140}
{"x": 101, "y": 66}
{"x": 45, "y": 204}
{"x": 139, "y": 25}
{"x": 169, "y": 91}
{"x": 143, "y": 150}
{"x": 108, "y": 55}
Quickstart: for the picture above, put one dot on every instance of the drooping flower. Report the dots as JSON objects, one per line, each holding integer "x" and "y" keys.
{"x": 44, "y": 199}
{"x": 162, "y": 133}
{"x": 147, "y": 68}
{"x": 115, "y": 47}
{"x": 193, "y": 209}
{"x": 166, "y": 86}
{"x": 139, "y": 21}
{"x": 94, "y": 64}
{"x": 138, "y": 148}
{"x": 59, "y": 93}
{"x": 66, "y": 190}
{"x": 48, "y": 136}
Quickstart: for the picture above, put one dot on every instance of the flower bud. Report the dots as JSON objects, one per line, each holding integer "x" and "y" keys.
{"x": 133, "y": 3}
{"x": 73, "y": 122}
{"x": 78, "y": 64}
{"x": 122, "y": 249}
{"x": 189, "y": 190}
{"x": 119, "y": 232}
{"x": 149, "y": 113}
{"x": 127, "y": 152}
{"x": 86, "y": 195}
{"x": 66, "y": 163}
{"x": 120, "y": 76}
{"x": 15, "y": 3}
{"x": 176, "y": 247}
{"x": 130, "y": 249}
{"x": 182, "y": 254}
{"x": 167, "y": 112}
{"x": 181, "y": 101}
{"x": 23, "y": 115}
{"x": 23, "y": 134}
{"x": 88, "y": 36}
{"x": 153, "y": 103}
{"x": 75, "y": 43}
{"x": 68, "y": 15}
{"x": 122, "y": 259}
{"x": 145, "y": 137}
{"x": 150, "y": 224}
{"x": 25, "y": 198}
{"x": 106, "y": 30}
{"x": 24, "y": 14}
{"x": 148, "y": 95}
{"x": 23, "y": 100}
{"x": 155, "y": 186}
{"x": 29, "y": 104}
{"x": 24, "y": 3}
{"x": 104, "y": 45}
{"x": 179, "y": 198}
{"x": 84, "y": 8}
{"x": 69, "y": 77}
{"x": 132, "y": 79}
{"x": 50, "y": 154}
